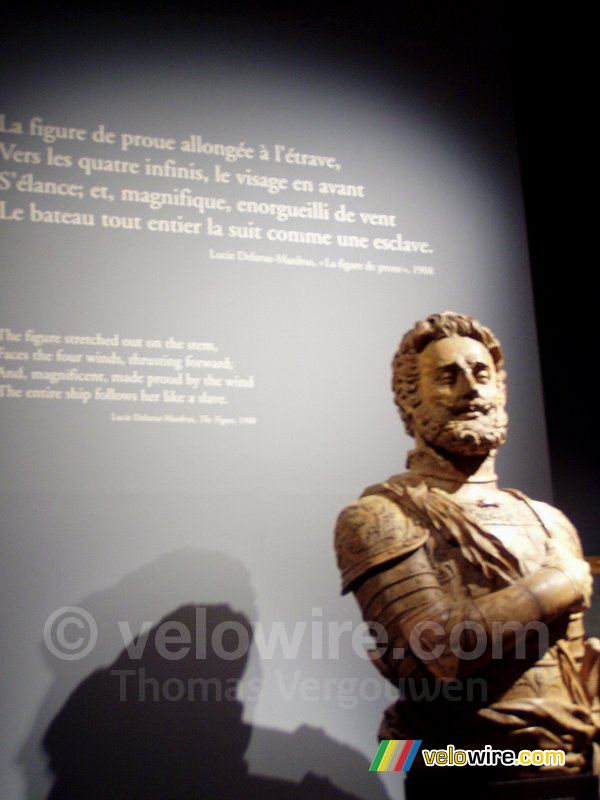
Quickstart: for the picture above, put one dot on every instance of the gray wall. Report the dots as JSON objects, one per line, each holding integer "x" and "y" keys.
{"x": 138, "y": 521}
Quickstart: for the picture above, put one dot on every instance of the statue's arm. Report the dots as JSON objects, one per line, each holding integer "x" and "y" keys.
{"x": 425, "y": 622}
{"x": 401, "y": 591}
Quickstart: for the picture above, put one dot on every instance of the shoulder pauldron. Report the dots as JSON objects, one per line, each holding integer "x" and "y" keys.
{"x": 372, "y": 531}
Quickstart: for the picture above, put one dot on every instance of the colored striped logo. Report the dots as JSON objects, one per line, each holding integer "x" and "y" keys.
{"x": 395, "y": 755}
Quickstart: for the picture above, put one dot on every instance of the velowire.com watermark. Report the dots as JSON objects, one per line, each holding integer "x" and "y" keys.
{"x": 397, "y": 755}
{"x": 71, "y": 633}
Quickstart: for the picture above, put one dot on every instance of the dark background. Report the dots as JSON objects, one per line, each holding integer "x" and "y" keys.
{"x": 550, "y": 59}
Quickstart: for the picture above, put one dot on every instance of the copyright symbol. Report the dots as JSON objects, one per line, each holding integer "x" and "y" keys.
{"x": 70, "y": 633}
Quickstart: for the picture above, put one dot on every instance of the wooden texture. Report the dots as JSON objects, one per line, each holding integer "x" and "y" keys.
{"x": 472, "y": 585}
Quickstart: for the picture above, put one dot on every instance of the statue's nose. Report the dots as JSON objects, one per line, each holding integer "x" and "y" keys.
{"x": 468, "y": 384}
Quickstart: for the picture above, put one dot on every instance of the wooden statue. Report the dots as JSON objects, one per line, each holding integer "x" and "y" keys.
{"x": 480, "y": 591}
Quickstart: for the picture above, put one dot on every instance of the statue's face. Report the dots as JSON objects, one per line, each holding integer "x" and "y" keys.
{"x": 462, "y": 397}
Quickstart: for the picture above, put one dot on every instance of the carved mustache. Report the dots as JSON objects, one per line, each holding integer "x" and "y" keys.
{"x": 472, "y": 406}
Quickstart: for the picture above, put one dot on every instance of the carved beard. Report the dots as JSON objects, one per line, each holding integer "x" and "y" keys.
{"x": 465, "y": 437}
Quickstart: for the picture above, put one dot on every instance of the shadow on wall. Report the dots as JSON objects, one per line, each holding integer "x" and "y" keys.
{"x": 164, "y": 720}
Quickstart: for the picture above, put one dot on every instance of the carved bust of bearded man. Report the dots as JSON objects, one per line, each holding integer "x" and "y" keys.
{"x": 476, "y": 589}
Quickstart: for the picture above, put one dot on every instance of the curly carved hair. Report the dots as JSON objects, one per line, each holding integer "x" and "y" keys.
{"x": 405, "y": 367}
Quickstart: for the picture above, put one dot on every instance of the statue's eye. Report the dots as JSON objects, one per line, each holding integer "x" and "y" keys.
{"x": 446, "y": 377}
{"x": 481, "y": 373}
